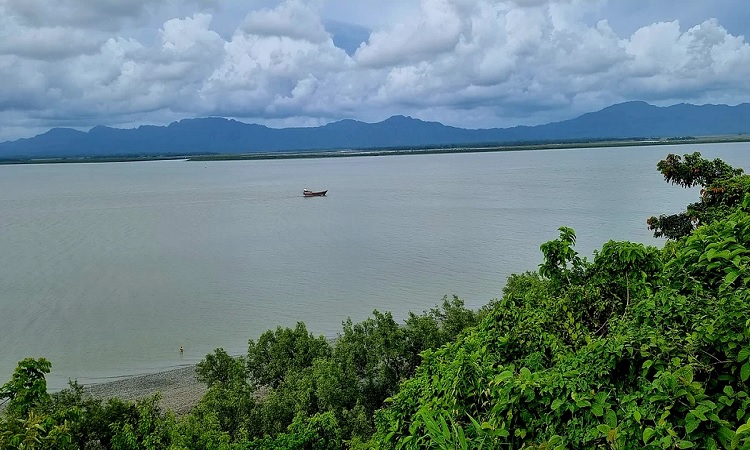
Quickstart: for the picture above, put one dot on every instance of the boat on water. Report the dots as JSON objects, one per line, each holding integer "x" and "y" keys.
{"x": 309, "y": 193}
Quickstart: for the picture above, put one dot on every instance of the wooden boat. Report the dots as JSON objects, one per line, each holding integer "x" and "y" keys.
{"x": 309, "y": 193}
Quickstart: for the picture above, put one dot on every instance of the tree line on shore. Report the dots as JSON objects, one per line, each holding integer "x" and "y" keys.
{"x": 639, "y": 347}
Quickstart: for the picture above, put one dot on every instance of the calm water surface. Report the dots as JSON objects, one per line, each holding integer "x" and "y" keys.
{"x": 107, "y": 269}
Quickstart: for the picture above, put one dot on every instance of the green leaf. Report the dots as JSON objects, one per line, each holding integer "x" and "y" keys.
{"x": 724, "y": 254}
{"x": 637, "y": 416}
{"x": 745, "y": 371}
{"x": 725, "y": 435}
{"x": 699, "y": 414}
{"x": 597, "y": 410}
{"x": 503, "y": 376}
{"x": 603, "y": 429}
{"x": 684, "y": 444}
{"x": 744, "y": 354}
{"x": 556, "y": 403}
{"x": 611, "y": 418}
{"x": 731, "y": 277}
{"x": 691, "y": 423}
{"x": 648, "y": 433}
{"x": 461, "y": 438}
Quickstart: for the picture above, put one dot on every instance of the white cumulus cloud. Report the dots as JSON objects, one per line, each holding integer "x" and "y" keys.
{"x": 474, "y": 63}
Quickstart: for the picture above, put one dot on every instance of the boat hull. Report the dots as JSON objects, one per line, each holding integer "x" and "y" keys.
{"x": 314, "y": 194}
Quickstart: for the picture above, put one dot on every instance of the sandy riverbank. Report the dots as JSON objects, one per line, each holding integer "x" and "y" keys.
{"x": 179, "y": 388}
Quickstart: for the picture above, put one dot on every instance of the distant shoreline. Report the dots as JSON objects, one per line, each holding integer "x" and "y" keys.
{"x": 387, "y": 151}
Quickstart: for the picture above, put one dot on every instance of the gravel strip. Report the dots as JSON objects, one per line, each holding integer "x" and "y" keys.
{"x": 179, "y": 388}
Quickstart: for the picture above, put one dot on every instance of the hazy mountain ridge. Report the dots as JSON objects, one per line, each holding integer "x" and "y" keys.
{"x": 218, "y": 135}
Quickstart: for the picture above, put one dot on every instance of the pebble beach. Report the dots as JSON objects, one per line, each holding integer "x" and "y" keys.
{"x": 179, "y": 388}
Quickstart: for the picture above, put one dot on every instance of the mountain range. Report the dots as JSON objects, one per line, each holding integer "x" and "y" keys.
{"x": 226, "y": 136}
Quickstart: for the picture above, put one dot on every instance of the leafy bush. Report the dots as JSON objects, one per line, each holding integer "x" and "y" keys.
{"x": 641, "y": 348}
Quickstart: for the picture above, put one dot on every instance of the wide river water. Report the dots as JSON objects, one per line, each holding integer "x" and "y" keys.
{"x": 107, "y": 269}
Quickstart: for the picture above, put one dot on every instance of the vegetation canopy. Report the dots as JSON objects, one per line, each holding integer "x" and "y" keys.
{"x": 723, "y": 188}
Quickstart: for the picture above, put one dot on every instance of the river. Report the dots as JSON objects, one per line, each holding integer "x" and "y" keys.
{"x": 108, "y": 269}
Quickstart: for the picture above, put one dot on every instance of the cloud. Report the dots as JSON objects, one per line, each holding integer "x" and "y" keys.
{"x": 278, "y": 60}
{"x": 85, "y": 13}
{"x": 291, "y": 19}
{"x": 473, "y": 63}
{"x": 23, "y": 87}
{"x": 438, "y": 29}
{"x": 668, "y": 63}
{"x": 123, "y": 76}
{"x": 48, "y": 43}
{"x": 546, "y": 56}
{"x": 489, "y": 53}
{"x": 191, "y": 39}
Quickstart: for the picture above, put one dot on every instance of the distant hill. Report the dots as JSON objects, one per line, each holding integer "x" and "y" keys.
{"x": 217, "y": 135}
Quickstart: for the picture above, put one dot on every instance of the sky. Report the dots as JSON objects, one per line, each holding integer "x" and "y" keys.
{"x": 466, "y": 63}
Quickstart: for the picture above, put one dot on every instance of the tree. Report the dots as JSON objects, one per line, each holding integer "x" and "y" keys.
{"x": 27, "y": 424}
{"x": 281, "y": 351}
{"x": 723, "y": 188}
{"x": 692, "y": 170}
{"x": 28, "y": 386}
{"x": 219, "y": 367}
{"x": 562, "y": 265}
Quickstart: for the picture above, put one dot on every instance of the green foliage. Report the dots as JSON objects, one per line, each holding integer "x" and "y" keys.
{"x": 692, "y": 170}
{"x": 148, "y": 430}
{"x": 715, "y": 256}
{"x": 621, "y": 269}
{"x": 227, "y": 409}
{"x": 69, "y": 420}
{"x": 281, "y": 351}
{"x": 88, "y": 420}
{"x": 724, "y": 187}
{"x": 35, "y": 431}
{"x": 304, "y": 379}
{"x": 26, "y": 423}
{"x": 28, "y": 386}
{"x": 561, "y": 263}
{"x": 319, "y": 432}
{"x": 672, "y": 226}
{"x": 642, "y": 348}
{"x": 219, "y": 367}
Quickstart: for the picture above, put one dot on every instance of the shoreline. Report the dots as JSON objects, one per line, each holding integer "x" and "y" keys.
{"x": 179, "y": 388}
{"x": 388, "y": 151}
